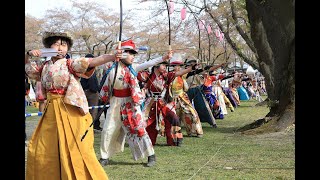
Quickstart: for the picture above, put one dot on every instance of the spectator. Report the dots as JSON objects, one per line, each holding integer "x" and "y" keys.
{"x": 27, "y": 90}
{"x": 91, "y": 87}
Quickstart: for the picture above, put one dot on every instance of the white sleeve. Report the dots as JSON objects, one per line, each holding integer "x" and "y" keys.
{"x": 148, "y": 64}
{"x": 105, "y": 66}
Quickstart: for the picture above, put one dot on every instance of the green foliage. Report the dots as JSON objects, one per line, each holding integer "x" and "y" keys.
{"x": 242, "y": 3}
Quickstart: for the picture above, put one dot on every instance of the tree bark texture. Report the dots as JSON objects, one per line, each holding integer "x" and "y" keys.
{"x": 273, "y": 33}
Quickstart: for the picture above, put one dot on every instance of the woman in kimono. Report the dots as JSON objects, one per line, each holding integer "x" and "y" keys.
{"x": 160, "y": 114}
{"x": 124, "y": 121}
{"x": 210, "y": 95}
{"x": 184, "y": 109}
{"x": 56, "y": 149}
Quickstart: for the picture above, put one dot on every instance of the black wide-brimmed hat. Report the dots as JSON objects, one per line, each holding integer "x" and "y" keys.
{"x": 190, "y": 60}
{"x": 48, "y": 35}
{"x": 163, "y": 62}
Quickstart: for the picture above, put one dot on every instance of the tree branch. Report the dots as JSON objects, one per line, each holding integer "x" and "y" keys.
{"x": 241, "y": 31}
{"x": 233, "y": 44}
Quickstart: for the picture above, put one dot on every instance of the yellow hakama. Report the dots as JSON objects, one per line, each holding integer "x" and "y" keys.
{"x": 56, "y": 138}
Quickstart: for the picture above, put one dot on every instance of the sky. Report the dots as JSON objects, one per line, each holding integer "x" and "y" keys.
{"x": 37, "y": 8}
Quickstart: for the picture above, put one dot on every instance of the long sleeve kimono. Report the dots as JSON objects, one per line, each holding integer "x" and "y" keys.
{"x": 56, "y": 149}
{"x": 159, "y": 114}
{"x": 186, "y": 112}
{"x": 124, "y": 118}
{"x": 211, "y": 96}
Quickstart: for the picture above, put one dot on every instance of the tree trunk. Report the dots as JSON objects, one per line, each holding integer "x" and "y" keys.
{"x": 273, "y": 33}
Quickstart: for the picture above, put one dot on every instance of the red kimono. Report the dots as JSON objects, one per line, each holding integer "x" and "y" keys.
{"x": 159, "y": 113}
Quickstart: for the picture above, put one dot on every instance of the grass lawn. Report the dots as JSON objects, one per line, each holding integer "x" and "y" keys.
{"x": 221, "y": 153}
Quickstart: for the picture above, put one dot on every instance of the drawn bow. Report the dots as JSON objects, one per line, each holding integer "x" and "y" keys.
{"x": 105, "y": 75}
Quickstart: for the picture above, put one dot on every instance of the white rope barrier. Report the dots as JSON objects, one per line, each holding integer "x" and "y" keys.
{"x": 224, "y": 143}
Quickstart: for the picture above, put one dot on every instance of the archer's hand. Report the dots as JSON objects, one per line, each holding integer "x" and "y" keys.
{"x": 34, "y": 53}
{"x": 118, "y": 55}
{"x": 206, "y": 68}
{"x": 196, "y": 66}
{"x": 168, "y": 56}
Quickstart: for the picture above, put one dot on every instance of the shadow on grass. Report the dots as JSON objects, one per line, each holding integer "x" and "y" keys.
{"x": 163, "y": 144}
{"x": 111, "y": 162}
{"x": 229, "y": 130}
{"x": 207, "y": 128}
{"x": 244, "y": 106}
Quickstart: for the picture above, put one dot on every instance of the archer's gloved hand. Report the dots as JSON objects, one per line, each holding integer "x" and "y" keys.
{"x": 207, "y": 67}
{"x": 194, "y": 67}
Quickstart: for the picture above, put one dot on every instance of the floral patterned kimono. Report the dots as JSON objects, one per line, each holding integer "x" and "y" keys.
{"x": 56, "y": 149}
{"x": 211, "y": 96}
{"x": 188, "y": 115}
{"x": 160, "y": 115}
{"x": 124, "y": 118}
{"x": 217, "y": 90}
{"x": 235, "y": 94}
